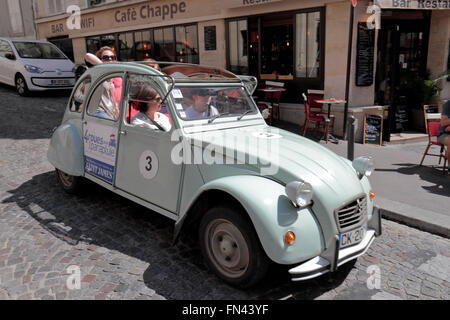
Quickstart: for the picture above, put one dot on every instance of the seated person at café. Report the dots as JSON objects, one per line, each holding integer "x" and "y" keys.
{"x": 148, "y": 102}
{"x": 201, "y": 106}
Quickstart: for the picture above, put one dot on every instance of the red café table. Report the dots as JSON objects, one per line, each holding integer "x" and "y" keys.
{"x": 272, "y": 91}
{"x": 330, "y": 102}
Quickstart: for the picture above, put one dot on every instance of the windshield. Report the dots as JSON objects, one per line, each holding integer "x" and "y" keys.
{"x": 196, "y": 103}
{"x": 38, "y": 50}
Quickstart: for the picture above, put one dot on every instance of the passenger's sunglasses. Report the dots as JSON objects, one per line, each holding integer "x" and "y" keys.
{"x": 157, "y": 99}
{"x": 113, "y": 58}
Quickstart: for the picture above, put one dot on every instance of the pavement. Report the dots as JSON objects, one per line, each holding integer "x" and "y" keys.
{"x": 418, "y": 196}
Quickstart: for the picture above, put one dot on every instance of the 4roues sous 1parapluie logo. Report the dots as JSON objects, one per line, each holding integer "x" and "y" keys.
{"x": 355, "y": 2}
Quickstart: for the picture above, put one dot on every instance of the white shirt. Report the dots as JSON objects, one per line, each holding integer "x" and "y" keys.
{"x": 143, "y": 120}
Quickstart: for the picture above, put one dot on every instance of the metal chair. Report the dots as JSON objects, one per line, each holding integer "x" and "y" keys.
{"x": 315, "y": 118}
{"x": 432, "y": 126}
{"x": 271, "y": 100}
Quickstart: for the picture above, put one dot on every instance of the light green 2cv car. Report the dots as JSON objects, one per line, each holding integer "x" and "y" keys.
{"x": 188, "y": 142}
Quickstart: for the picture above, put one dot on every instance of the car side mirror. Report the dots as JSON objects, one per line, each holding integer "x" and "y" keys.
{"x": 10, "y": 56}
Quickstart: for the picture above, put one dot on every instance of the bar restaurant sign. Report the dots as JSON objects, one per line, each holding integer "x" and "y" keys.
{"x": 414, "y": 4}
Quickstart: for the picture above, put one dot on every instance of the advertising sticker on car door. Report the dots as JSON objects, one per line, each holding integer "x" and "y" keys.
{"x": 100, "y": 147}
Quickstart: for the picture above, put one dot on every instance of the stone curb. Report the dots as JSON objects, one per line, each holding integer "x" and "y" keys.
{"x": 418, "y": 218}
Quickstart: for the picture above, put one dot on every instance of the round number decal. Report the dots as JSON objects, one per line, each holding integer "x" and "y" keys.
{"x": 148, "y": 164}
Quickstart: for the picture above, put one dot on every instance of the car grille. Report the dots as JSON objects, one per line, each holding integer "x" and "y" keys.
{"x": 352, "y": 214}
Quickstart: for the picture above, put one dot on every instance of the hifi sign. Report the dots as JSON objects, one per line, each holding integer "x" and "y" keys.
{"x": 100, "y": 147}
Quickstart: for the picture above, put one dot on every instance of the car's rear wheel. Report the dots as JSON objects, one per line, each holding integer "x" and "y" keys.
{"x": 231, "y": 247}
{"x": 71, "y": 184}
{"x": 21, "y": 86}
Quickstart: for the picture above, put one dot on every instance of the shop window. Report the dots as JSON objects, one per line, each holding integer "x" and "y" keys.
{"x": 126, "y": 47}
{"x": 93, "y": 44}
{"x": 143, "y": 42}
{"x": 277, "y": 46}
{"x": 237, "y": 46}
{"x": 164, "y": 44}
{"x": 186, "y": 44}
{"x": 65, "y": 45}
{"x": 308, "y": 39}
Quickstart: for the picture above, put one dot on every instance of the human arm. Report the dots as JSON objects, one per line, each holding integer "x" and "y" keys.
{"x": 92, "y": 59}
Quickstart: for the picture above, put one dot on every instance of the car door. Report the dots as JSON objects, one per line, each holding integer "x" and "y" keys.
{"x": 101, "y": 127}
{"x": 144, "y": 165}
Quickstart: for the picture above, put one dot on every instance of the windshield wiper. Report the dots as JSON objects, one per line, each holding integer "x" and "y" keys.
{"x": 218, "y": 116}
{"x": 244, "y": 114}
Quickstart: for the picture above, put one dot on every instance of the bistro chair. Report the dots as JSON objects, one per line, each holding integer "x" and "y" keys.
{"x": 432, "y": 126}
{"x": 271, "y": 100}
{"x": 317, "y": 119}
{"x": 315, "y": 108}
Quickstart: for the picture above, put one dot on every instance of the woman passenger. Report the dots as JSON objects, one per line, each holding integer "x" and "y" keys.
{"x": 148, "y": 102}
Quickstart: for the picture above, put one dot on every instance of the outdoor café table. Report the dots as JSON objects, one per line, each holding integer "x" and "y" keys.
{"x": 272, "y": 91}
{"x": 330, "y": 102}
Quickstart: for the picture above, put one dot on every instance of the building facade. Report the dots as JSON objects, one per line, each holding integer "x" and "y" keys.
{"x": 364, "y": 54}
{"x": 17, "y": 19}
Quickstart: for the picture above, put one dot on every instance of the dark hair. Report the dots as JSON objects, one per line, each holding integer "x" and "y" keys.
{"x": 145, "y": 94}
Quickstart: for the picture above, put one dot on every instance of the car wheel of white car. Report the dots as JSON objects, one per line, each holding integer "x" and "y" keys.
{"x": 70, "y": 184}
{"x": 21, "y": 86}
{"x": 231, "y": 248}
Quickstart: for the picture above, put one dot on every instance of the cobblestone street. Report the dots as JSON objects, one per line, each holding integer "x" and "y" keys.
{"x": 124, "y": 251}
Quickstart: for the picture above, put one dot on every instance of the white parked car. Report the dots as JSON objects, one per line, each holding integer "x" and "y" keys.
{"x": 33, "y": 65}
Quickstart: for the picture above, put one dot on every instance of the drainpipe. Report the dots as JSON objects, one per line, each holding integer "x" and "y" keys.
{"x": 349, "y": 65}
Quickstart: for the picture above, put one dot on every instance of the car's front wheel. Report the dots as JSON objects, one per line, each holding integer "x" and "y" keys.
{"x": 71, "y": 184}
{"x": 21, "y": 86}
{"x": 231, "y": 247}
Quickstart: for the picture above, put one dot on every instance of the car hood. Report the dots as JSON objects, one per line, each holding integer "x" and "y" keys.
{"x": 64, "y": 65}
{"x": 281, "y": 156}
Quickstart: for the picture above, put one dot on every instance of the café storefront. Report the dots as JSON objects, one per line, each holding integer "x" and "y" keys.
{"x": 307, "y": 44}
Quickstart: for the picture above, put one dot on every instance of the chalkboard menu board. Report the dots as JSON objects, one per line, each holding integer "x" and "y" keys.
{"x": 373, "y": 129}
{"x": 364, "y": 55}
{"x": 210, "y": 38}
{"x": 401, "y": 118}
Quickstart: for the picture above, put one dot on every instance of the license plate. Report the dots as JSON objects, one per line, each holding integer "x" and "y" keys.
{"x": 352, "y": 237}
{"x": 60, "y": 82}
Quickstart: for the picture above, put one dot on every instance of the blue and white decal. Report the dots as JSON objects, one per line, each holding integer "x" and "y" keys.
{"x": 100, "y": 147}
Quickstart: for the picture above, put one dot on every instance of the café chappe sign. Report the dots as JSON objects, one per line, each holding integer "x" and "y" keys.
{"x": 414, "y": 4}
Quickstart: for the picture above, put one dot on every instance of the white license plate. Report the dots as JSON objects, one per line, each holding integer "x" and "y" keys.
{"x": 350, "y": 238}
{"x": 60, "y": 82}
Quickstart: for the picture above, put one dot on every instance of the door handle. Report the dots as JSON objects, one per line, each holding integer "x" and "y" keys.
{"x": 123, "y": 132}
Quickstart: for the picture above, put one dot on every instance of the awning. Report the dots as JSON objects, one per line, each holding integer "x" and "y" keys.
{"x": 414, "y": 4}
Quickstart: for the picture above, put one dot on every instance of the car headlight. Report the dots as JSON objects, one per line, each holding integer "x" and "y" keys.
{"x": 300, "y": 193}
{"x": 33, "y": 69}
{"x": 364, "y": 166}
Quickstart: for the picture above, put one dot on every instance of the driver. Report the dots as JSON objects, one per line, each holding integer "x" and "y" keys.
{"x": 201, "y": 106}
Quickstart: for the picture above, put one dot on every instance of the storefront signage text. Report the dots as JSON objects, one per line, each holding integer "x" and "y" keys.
{"x": 414, "y": 4}
{"x": 221, "y": 4}
{"x": 147, "y": 11}
{"x": 85, "y": 23}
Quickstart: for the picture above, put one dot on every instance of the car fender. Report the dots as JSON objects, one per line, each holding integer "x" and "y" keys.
{"x": 272, "y": 215}
{"x": 66, "y": 150}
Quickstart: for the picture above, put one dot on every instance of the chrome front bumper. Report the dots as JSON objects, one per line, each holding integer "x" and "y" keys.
{"x": 334, "y": 257}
